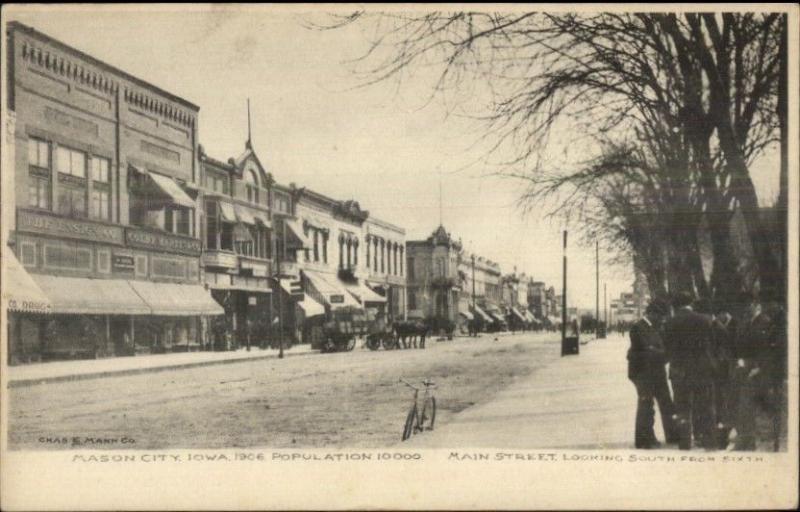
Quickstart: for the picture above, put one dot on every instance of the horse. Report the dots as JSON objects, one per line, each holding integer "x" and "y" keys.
{"x": 408, "y": 332}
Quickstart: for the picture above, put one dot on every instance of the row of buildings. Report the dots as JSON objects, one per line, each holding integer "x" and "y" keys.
{"x": 121, "y": 235}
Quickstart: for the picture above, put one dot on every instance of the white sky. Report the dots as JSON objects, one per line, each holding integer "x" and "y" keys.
{"x": 375, "y": 145}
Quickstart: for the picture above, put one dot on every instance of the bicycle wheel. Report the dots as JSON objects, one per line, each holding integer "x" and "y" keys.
{"x": 411, "y": 421}
{"x": 428, "y": 414}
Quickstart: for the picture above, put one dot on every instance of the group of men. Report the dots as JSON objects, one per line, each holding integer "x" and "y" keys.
{"x": 723, "y": 364}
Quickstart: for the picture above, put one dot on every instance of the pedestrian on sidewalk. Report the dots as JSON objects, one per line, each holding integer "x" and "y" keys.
{"x": 646, "y": 369}
{"x": 687, "y": 337}
{"x": 752, "y": 371}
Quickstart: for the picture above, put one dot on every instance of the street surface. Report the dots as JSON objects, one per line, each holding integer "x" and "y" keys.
{"x": 325, "y": 400}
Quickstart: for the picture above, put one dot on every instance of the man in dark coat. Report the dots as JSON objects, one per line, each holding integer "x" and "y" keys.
{"x": 722, "y": 336}
{"x": 646, "y": 361}
{"x": 687, "y": 336}
{"x": 753, "y": 369}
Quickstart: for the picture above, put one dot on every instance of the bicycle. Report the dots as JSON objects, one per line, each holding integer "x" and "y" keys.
{"x": 418, "y": 421}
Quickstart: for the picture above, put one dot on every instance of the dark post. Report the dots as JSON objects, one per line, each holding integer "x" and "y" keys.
{"x": 278, "y": 259}
{"x": 597, "y": 289}
{"x": 473, "y": 281}
{"x": 564, "y": 298}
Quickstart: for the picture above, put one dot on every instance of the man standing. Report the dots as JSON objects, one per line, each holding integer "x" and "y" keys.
{"x": 688, "y": 345}
{"x": 646, "y": 361}
{"x": 752, "y": 352}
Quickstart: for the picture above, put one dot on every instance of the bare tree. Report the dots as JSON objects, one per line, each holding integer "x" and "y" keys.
{"x": 673, "y": 109}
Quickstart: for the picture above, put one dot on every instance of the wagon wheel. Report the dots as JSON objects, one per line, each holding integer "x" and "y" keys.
{"x": 389, "y": 343}
{"x": 351, "y": 344}
{"x": 329, "y": 345}
{"x": 373, "y": 342}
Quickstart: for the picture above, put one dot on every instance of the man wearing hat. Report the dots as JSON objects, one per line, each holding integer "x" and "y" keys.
{"x": 687, "y": 337}
{"x": 646, "y": 361}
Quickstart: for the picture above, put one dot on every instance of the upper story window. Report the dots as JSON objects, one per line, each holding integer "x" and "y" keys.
{"x": 101, "y": 188}
{"x": 72, "y": 190}
{"x": 38, "y": 174}
{"x": 217, "y": 183}
{"x": 281, "y": 203}
{"x": 251, "y": 184}
{"x": 440, "y": 267}
{"x": 411, "y": 268}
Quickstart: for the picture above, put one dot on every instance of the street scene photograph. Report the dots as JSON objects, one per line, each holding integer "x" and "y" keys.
{"x": 361, "y": 229}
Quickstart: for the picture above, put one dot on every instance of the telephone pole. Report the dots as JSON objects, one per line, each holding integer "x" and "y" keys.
{"x": 564, "y": 298}
{"x": 597, "y": 289}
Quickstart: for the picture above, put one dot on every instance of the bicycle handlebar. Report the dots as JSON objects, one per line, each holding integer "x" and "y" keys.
{"x": 427, "y": 383}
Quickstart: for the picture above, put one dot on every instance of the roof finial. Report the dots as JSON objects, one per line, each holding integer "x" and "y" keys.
{"x": 249, "y": 143}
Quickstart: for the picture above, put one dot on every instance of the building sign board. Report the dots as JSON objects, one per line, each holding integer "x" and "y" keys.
{"x": 162, "y": 242}
{"x": 336, "y": 299}
{"x": 124, "y": 262}
{"x": 36, "y": 222}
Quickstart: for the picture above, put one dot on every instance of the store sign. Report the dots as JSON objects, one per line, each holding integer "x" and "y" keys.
{"x": 337, "y": 299}
{"x": 252, "y": 301}
{"x": 124, "y": 262}
{"x": 162, "y": 242}
{"x": 220, "y": 259}
{"x": 35, "y": 222}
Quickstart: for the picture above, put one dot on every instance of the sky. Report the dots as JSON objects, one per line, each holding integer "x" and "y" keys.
{"x": 388, "y": 149}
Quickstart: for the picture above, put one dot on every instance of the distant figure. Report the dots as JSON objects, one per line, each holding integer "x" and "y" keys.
{"x": 646, "y": 369}
{"x": 687, "y": 337}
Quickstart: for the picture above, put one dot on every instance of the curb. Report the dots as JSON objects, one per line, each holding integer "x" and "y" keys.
{"x": 18, "y": 383}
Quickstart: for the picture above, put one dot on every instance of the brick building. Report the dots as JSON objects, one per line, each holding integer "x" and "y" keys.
{"x": 106, "y": 181}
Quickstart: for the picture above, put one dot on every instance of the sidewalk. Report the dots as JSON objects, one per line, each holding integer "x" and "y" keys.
{"x": 59, "y": 371}
{"x": 580, "y": 402}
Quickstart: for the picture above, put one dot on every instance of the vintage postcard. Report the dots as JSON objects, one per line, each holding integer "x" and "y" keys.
{"x": 411, "y": 257}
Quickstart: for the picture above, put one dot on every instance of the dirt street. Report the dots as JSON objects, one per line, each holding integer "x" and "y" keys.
{"x": 322, "y": 400}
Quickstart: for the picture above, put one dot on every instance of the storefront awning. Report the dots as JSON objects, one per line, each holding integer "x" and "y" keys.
{"x": 168, "y": 186}
{"x": 482, "y": 314}
{"x": 363, "y": 293}
{"x": 20, "y": 291}
{"x": 466, "y": 314}
{"x": 519, "y": 315}
{"x": 244, "y": 215}
{"x": 171, "y": 299}
{"x": 311, "y": 307}
{"x": 226, "y": 212}
{"x": 293, "y": 235}
{"x": 330, "y": 288}
{"x": 241, "y": 233}
{"x": 262, "y": 219}
{"x": 84, "y": 296}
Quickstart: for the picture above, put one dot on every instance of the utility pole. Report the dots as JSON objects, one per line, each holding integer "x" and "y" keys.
{"x": 473, "y": 282}
{"x": 564, "y": 299}
{"x": 278, "y": 259}
{"x": 597, "y": 289}
{"x": 605, "y": 304}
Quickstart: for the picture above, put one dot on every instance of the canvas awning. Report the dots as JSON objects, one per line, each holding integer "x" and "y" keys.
{"x": 226, "y": 212}
{"x": 311, "y": 307}
{"x": 330, "y": 289}
{"x": 463, "y": 310}
{"x": 81, "y": 295}
{"x": 20, "y": 291}
{"x": 168, "y": 186}
{"x": 467, "y": 315}
{"x": 244, "y": 215}
{"x": 262, "y": 219}
{"x": 519, "y": 315}
{"x": 293, "y": 233}
{"x": 171, "y": 299}
{"x": 241, "y": 233}
{"x": 482, "y": 314}
{"x": 363, "y": 293}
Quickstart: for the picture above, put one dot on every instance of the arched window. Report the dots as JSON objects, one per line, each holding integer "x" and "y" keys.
{"x": 369, "y": 242}
{"x": 402, "y": 250}
{"x": 341, "y": 251}
{"x": 251, "y": 184}
{"x": 355, "y": 252}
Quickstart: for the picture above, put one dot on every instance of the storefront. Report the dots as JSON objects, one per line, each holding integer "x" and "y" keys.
{"x": 28, "y": 309}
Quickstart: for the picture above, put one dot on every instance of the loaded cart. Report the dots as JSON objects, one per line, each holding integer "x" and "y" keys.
{"x": 342, "y": 330}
